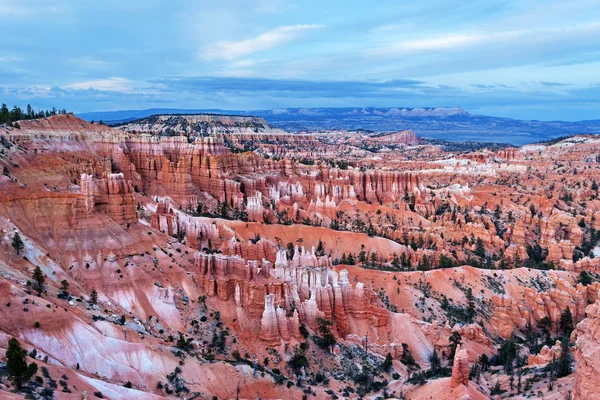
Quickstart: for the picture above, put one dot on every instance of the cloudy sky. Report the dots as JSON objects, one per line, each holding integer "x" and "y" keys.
{"x": 518, "y": 58}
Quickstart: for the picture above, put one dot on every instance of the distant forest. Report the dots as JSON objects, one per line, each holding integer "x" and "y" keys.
{"x": 16, "y": 114}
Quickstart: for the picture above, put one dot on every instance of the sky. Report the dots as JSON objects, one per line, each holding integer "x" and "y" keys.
{"x": 523, "y": 59}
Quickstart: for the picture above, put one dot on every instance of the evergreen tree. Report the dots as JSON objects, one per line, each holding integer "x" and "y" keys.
{"x": 497, "y": 389}
{"x": 517, "y": 262}
{"x": 38, "y": 279}
{"x": 564, "y": 362}
{"x": 94, "y": 297}
{"x": 320, "y": 249}
{"x": 435, "y": 363}
{"x": 16, "y": 364}
{"x": 545, "y": 324}
{"x": 424, "y": 264}
{"x": 480, "y": 248}
{"x": 351, "y": 260}
{"x": 387, "y": 363}
{"x": 455, "y": 340}
{"x": 64, "y": 285}
{"x": 327, "y": 340}
{"x": 566, "y": 322}
{"x": 405, "y": 261}
{"x": 484, "y": 361}
{"x": 475, "y": 372}
{"x": 17, "y": 243}
{"x": 407, "y": 358}
{"x": 585, "y": 278}
{"x": 343, "y": 260}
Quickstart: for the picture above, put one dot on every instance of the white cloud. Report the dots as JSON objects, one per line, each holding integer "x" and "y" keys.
{"x": 516, "y": 38}
{"x": 444, "y": 42}
{"x": 113, "y": 83}
{"x": 14, "y": 8}
{"x": 230, "y": 50}
{"x": 10, "y": 59}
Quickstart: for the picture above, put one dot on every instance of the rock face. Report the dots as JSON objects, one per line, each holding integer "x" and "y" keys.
{"x": 546, "y": 355}
{"x": 587, "y": 354}
{"x": 164, "y": 219}
{"x": 111, "y": 194}
{"x": 200, "y": 124}
{"x": 460, "y": 368}
{"x": 403, "y": 137}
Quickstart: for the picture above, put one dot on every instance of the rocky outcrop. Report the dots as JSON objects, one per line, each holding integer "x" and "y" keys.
{"x": 407, "y": 137}
{"x": 110, "y": 194}
{"x": 199, "y": 124}
{"x": 546, "y": 355}
{"x": 460, "y": 368}
{"x": 164, "y": 219}
{"x": 587, "y": 354}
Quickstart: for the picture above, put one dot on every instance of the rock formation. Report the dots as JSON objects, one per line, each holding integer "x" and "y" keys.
{"x": 460, "y": 368}
{"x": 587, "y": 352}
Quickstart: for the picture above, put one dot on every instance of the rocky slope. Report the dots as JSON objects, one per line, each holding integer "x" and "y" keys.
{"x": 199, "y": 124}
{"x": 301, "y": 268}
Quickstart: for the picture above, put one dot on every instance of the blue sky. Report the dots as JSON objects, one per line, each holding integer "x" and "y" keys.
{"x": 523, "y": 59}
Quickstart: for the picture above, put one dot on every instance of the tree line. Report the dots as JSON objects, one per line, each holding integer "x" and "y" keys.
{"x": 17, "y": 114}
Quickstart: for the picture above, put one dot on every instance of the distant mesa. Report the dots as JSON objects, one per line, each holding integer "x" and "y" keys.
{"x": 445, "y": 123}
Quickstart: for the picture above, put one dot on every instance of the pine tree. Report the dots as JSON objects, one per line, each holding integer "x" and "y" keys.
{"x": 351, "y": 260}
{"x": 455, "y": 340}
{"x": 566, "y": 322}
{"x": 480, "y": 248}
{"x": 434, "y": 362}
{"x": 497, "y": 389}
{"x": 387, "y": 363}
{"x": 17, "y": 243}
{"x": 424, "y": 264}
{"x": 517, "y": 262}
{"x": 38, "y": 279}
{"x": 320, "y": 249}
{"x": 475, "y": 372}
{"x": 484, "y": 361}
{"x": 564, "y": 362}
{"x": 343, "y": 259}
{"x": 16, "y": 364}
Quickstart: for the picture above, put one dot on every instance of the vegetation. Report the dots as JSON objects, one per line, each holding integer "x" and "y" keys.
{"x": 94, "y": 297}
{"x": 17, "y": 243}
{"x": 326, "y": 340}
{"x": 16, "y": 114}
{"x": 16, "y": 364}
{"x": 39, "y": 280}
{"x": 566, "y": 322}
{"x": 298, "y": 361}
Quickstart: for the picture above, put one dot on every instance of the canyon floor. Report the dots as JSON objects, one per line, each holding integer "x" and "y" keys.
{"x": 215, "y": 257}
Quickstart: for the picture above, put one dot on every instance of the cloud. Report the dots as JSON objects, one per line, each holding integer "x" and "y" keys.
{"x": 110, "y": 84}
{"x": 24, "y": 8}
{"x": 482, "y": 86}
{"x": 443, "y": 42}
{"x": 229, "y": 50}
{"x": 10, "y": 59}
{"x": 509, "y": 39}
{"x": 554, "y": 84}
{"x": 287, "y": 87}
